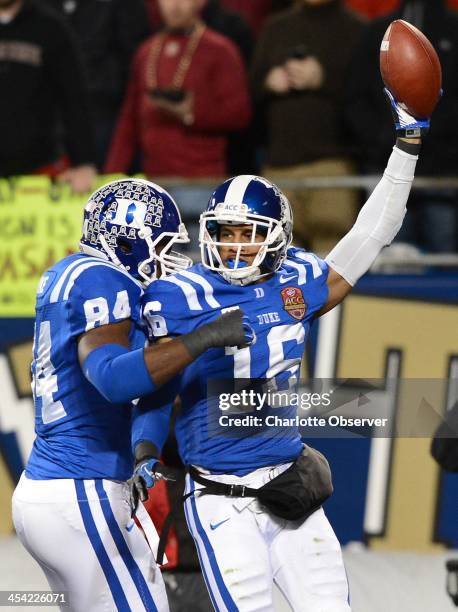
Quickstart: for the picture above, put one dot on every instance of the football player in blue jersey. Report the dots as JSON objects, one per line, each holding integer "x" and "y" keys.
{"x": 244, "y": 545}
{"x": 71, "y": 507}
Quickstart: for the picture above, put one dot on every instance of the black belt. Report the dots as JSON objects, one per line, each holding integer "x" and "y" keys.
{"x": 219, "y": 488}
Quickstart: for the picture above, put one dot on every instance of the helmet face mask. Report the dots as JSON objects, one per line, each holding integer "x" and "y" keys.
{"x": 161, "y": 253}
{"x": 261, "y": 206}
{"x": 135, "y": 223}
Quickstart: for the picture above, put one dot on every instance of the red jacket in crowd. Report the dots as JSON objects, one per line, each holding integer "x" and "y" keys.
{"x": 217, "y": 80}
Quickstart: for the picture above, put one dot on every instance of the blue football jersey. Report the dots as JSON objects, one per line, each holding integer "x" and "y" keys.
{"x": 79, "y": 434}
{"x": 280, "y": 310}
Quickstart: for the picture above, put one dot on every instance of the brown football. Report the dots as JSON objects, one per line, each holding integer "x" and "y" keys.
{"x": 410, "y": 68}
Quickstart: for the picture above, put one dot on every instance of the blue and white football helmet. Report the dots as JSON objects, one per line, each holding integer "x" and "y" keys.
{"x": 125, "y": 221}
{"x": 248, "y": 200}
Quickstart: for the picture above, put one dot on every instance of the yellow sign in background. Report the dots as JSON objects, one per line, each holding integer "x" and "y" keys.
{"x": 40, "y": 222}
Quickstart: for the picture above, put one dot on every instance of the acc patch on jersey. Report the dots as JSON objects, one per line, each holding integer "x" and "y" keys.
{"x": 293, "y": 302}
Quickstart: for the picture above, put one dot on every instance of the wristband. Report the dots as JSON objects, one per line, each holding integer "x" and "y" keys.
{"x": 408, "y": 147}
{"x": 145, "y": 450}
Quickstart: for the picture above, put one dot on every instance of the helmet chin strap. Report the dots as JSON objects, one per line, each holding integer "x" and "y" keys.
{"x": 109, "y": 251}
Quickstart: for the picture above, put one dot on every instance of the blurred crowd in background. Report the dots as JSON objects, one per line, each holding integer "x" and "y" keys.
{"x": 212, "y": 88}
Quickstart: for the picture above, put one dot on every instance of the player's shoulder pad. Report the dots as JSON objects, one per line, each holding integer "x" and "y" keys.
{"x": 188, "y": 292}
{"x": 173, "y": 305}
{"x": 308, "y": 266}
{"x": 95, "y": 293}
{"x": 94, "y": 277}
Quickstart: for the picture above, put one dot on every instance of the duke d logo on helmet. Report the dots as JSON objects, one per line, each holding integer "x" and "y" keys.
{"x": 293, "y": 302}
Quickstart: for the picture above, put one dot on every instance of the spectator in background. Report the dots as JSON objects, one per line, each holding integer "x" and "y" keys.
{"x": 432, "y": 220}
{"x": 299, "y": 74}
{"x": 41, "y": 83}
{"x": 187, "y": 90}
{"x": 108, "y": 33}
{"x": 241, "y": 146}
{"x": 226, "y": 22}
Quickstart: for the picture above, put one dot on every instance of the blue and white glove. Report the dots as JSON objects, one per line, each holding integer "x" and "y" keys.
{"x": 406, "y": 125}
{"x": 146, "y": 473}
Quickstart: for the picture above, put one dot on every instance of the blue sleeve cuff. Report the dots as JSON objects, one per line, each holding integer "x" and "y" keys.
{"x": 151, "y": 416}
{"x": 118, "y": 374}
{"x": 151, "y": 426}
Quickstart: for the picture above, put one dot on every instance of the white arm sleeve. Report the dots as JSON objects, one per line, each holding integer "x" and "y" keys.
{"x": 379, "y": 219}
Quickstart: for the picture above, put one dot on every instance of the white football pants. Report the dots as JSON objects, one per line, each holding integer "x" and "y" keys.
{"x": 81, "y": 534}
{"x": 243, "y": 550}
